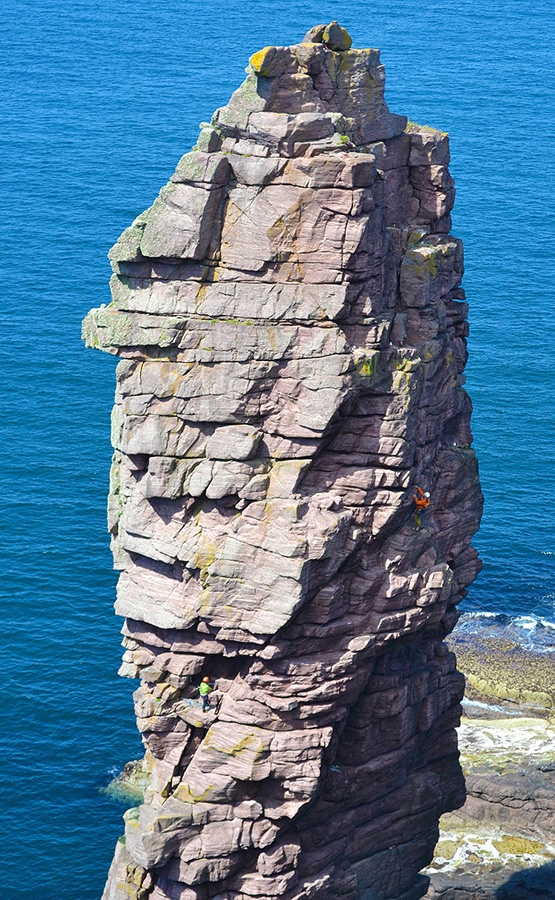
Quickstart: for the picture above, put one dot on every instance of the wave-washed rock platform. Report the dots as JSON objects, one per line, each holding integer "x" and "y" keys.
{"x": 501, "y": 844}
{"x": 293, "y": 337}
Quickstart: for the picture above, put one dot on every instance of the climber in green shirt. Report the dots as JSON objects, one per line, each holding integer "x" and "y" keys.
{"x": 204, "y": 691}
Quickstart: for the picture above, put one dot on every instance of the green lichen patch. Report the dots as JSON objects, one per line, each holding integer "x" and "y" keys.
{"x": 482, "y": 849}
{"x": 446, "y": 849}
{"x": 412, "y": 127}
{"x": 366, "y": 364}
{"x": 516, "y": 846}
{"x": 499, "y": 669}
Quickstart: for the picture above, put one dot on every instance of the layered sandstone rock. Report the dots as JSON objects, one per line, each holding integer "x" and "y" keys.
{"x": 292, "y": 333}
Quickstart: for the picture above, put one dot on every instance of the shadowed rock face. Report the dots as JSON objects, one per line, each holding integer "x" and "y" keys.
{"x": 292, "y": 333}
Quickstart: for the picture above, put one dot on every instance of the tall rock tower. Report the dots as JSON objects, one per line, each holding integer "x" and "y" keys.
{"x": 292, "y": 333}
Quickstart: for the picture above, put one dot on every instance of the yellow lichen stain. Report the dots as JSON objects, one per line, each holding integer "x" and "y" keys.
{"x": 184, "y": 793}
{"x": 367, "y": 365}
{"x": 416, "y": 236}
{"x": 242, "y": 744}
{"x": 200, "y": 296}
{"x": 404, "y": 364}
{"x": 428, "y": 263}
{"x": 259, "y": 59}
{"x": 272, "y": 335}
{"x": 131, "y": 814}
{"x": 130, "y": 889}
{"x": 252, "y": 743}
{"x": 401, "y": 382}
{"x": 204, "y": 555}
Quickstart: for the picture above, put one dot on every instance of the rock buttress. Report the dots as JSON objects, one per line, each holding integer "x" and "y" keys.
{"x": 292, "y": 330}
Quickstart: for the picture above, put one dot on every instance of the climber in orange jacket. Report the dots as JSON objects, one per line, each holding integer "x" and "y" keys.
{"x": 422, "y": 501}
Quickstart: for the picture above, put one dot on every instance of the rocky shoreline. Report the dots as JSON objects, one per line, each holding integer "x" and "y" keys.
{"x": 507, "y": 664}
{"x": 501, "y": 844}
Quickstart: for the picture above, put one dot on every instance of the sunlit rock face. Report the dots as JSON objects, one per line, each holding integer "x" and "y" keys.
{"x": 292, "y": 332}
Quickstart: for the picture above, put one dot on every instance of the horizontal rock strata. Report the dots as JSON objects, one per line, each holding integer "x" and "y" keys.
{"x": 292, "y": 330}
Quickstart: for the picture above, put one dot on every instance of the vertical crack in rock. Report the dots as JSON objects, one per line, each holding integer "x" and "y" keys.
{"x": 293, "y": 336}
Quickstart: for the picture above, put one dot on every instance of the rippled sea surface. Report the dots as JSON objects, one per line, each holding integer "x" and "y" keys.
{"x": 97, "y": 103}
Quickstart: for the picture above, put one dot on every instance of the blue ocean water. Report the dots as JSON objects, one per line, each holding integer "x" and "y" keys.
{"x": 98, "y": 101}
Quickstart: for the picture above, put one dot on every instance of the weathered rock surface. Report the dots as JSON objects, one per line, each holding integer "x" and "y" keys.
{"x": 292, "y": 332}
{"x": 501, "y": 844}
{"x": 500, "y": 670}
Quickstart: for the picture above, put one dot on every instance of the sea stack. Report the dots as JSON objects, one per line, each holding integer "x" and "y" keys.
{"x": 292, "y": 332}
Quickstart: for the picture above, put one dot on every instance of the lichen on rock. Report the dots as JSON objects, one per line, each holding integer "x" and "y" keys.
{"x": 292, "y": 334}
{"x": 500, "y": 844}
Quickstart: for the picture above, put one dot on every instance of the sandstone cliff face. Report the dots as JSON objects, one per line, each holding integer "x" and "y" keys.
{"x": 292, "y": 333}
